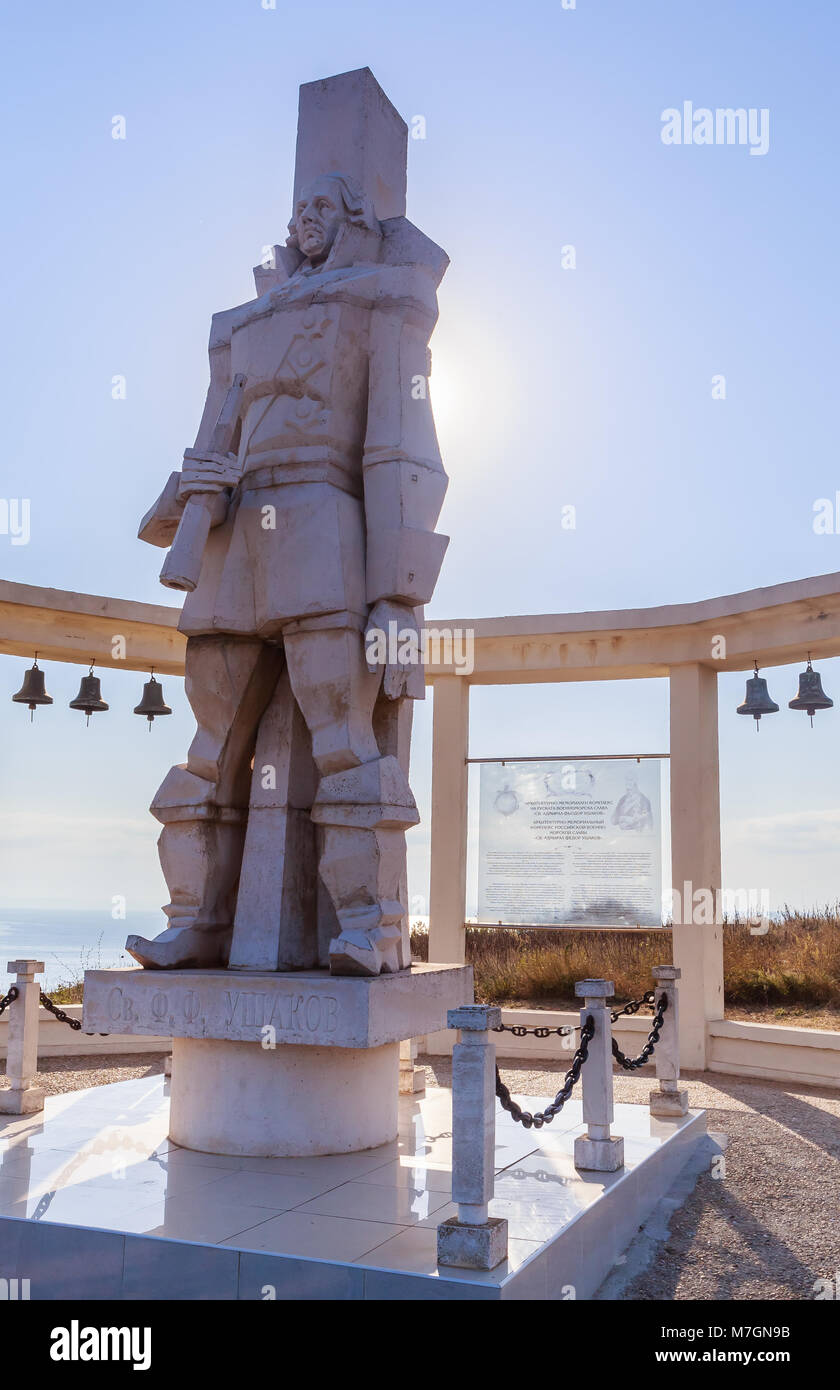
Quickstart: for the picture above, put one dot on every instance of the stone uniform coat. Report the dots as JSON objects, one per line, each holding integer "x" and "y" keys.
{"x": 341, "y": 478}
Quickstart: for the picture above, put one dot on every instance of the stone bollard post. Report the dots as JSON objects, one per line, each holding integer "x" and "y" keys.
{"x": 473, "y": 1239}
{"x": 668, "y": 1099}
{"x": 412, "y": 1077}
{"x": 22, "y": 1056}
{"x": 598, "y": 1149}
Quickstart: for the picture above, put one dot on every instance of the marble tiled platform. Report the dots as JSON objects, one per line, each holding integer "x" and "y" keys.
{"x": 97, "y": 1203}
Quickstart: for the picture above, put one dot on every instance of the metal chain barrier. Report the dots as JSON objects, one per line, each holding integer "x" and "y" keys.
{"x": 520, "y": 1031}
{"x": 9, "y": 998}
{"x": 634, "y": 1006}
{"x": 633, "y": 1063}
{"x": 62, "y": 1017}
{"x": 544, "y": 1117}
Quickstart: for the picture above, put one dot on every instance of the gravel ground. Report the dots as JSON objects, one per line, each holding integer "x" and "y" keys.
{"x": 770, "y": 1226}
{"x": 59, "y": 1074}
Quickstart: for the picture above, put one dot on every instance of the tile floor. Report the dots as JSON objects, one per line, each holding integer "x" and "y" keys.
{"x": 101, "y": 1159}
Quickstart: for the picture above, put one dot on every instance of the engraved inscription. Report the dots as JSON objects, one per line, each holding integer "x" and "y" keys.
{"x": 289, "y": 1013}
{"x": 119, "y": 1007}
{"x": 192, "y": 1005}
{"x": 159, "y": 1006}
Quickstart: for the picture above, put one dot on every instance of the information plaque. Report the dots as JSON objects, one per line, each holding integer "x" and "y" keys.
{"x": 577, "y": 842}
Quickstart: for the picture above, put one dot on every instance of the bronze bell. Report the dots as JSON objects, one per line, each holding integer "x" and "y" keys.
{"x": 152, "y": 702}
{"x": 757, "y": 699}
{"x": 32, "y": 692}
{"x": 810, "y": 696}
{"x": 89, "y": 698}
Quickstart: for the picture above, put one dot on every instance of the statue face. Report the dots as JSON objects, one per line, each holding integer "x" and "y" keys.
{"x": 319, "y": 212}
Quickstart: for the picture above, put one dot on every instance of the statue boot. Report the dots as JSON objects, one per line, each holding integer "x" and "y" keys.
{"x": 200, "y": 850}
{"x": 182, "y": 948}
{"x": 364, "y": 813}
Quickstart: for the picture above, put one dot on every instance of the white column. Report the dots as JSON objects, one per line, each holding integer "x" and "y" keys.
{"x": 22, "y": 1056}
{"x": 668, "y": 1099}
{"x": 695, "y": 854}
{"x": 598, "y": 1149}
{"x": 448, "y": 889}
{"x": 473, "y": 1239}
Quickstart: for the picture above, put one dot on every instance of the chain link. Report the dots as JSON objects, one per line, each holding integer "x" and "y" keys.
{"x": 634, "y": 1006}
{"x": 520, "y": 1031}
{"x": 9, "y": 998}
{"x": 544, "y": 1117}
{"x": 633, "y": 1063}
{"x": 62, "y": 1017}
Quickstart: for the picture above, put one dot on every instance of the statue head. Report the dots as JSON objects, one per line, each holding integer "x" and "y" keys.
{"x": 319, "y": 212}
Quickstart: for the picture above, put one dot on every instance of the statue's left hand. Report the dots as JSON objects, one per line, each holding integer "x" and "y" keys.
{"x": 392, "y": 645}
{"x": 203, "y": 471}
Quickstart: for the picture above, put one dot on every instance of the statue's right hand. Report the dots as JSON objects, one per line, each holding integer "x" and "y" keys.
{"x": 207, "y": 472}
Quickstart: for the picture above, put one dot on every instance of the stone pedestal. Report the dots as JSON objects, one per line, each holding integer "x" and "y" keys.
{"x": 466, "y": 1246}
{"x": 604, "y": 1155}
{"x": 272, "y": 1064}
{"x": 235, "y": 1098}
{"x": 669, "y": 1102}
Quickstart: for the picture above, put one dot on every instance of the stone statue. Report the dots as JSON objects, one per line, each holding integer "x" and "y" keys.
{"x": 302, "y": 519}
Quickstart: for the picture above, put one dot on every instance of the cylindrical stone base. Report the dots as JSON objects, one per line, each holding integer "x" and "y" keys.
{"x": 239, "y": 1098}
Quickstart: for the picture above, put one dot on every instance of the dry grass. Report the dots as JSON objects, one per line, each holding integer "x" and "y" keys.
{"x": 796, "y": 963}
{"x": 70, "y": 992}
{"x": 539, "y": 966}
{"x": 794, "y": 967}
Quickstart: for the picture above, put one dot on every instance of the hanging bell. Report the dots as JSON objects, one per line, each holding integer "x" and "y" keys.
{"x": 757, "y": 699}
{"x": 810, "y": 696}
{"x": 32, "y": 692}
{"x": 89, "y": 698}
{"x": 152, "y": 702}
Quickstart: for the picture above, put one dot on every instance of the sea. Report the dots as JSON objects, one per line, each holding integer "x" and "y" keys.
{"x": 70, "y": 941}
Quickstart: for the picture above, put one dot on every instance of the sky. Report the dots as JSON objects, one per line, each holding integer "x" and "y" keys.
{"x": 589, "y": 387}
